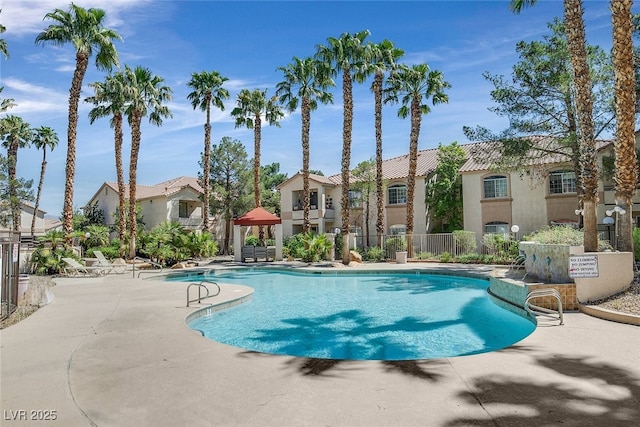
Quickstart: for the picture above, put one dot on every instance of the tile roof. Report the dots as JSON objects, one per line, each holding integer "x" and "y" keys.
{"x": 165, "y": 188}
{"x": 480, "y": 156}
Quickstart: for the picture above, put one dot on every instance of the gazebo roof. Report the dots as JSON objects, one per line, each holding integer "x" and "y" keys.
{"x": 258, "y": 216}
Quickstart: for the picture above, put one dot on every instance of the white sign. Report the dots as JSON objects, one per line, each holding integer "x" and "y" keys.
{"x": 583, "y": 266}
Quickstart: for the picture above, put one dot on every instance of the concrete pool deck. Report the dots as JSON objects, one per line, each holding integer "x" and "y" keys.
{"x": 115, "y": 351}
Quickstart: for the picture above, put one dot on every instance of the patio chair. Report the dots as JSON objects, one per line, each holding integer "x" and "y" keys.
{"x": 109, "y": 266}
{"x": 75, "y": 269}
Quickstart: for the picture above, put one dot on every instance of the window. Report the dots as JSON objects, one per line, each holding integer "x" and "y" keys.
{"x": 398, "y": 229}
{"x": 495, "y": 186}
{"x": 397, "y": 194}
{"x": 182, "y": 210}
{"x": 355, "y": 199}
{"x": 562, "y": 182}
{"x": 496, "y": 227}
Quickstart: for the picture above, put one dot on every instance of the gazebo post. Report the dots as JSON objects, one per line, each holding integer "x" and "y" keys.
{"x": 237, "y": 243}
{"x": 279, "y": 242}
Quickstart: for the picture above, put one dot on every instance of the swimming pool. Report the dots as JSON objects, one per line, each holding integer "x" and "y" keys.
{"x": 382, "y": 316}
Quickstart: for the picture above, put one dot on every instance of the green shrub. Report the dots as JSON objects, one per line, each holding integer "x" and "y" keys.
{"x": 393, "y": 245}
{"x": 557, "y": 235}
{"x": 374, "y": 253}
{"x": 636, "y": 243}
{"x": 251, "y": 240}
{"x": 465, "y": 241}
{"x": 424, "y": 255}
{"x": 445, "y": 257}
{"x": 316, "y": 247}
{"x": 293, "y": 247}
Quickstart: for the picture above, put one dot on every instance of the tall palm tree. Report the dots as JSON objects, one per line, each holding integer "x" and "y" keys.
{"x": 384, "y": 57}
{"x": 110, "y": 100}
{"x": 146, "y": 98}
{"x": 15, "y": 133}
{"x": 311, "y": 78}
{"x": 574, "y": 27}
{"x": 251, "y": 107}
{"x": 84, "y": 29}
{"x": 207, "y": 90}
{"x": 43, "y": 137}
{"x": 415, "y": 84}
{"x": 626, "y": 175}
{"x": 346, "y": 54}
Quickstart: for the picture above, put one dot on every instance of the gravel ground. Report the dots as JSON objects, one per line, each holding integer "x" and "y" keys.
{"x": 624, "y": 302}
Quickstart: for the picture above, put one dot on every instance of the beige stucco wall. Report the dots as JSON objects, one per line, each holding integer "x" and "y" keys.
{"x": 615, "y": 271}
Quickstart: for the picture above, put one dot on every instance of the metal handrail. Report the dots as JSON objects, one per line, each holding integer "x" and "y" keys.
{"x": 543, "y": 311}
{"x": 146, "y": 261}
{"x": 200, "y": 286}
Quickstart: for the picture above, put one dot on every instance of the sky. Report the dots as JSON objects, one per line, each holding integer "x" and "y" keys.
{"x": 247, "y": 42}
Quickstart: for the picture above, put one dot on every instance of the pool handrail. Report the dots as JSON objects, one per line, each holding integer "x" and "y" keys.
{"x": 200, "y": 286}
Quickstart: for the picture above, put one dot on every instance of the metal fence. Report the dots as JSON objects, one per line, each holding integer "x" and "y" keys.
{"x": 9, "y": 271}
{"x": 432, "y": 244}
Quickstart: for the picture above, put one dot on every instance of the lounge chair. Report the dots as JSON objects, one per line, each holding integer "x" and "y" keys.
{"x": 109, "y": 266}
{"x": 75, "y": 269}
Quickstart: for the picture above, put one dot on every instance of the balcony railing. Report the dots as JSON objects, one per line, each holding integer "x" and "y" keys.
{"x": 191, "y": 222}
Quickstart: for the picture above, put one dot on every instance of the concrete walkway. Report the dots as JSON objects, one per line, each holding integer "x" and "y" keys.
{"x": 115, "y": 351}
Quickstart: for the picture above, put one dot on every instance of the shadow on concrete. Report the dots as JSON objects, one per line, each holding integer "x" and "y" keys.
{"x": 581, "y": 393}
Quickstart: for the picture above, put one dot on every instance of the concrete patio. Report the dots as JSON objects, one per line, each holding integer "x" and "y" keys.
{"x": 115, "y": 351}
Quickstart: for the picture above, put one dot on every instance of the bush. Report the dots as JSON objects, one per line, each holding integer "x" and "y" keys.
{"x": 251, "y": 240}
{"x": 465, "y": 241}
{"x": 393, "y": 245}
{"x": 563, "y": 235}
{"x": 636, "y": 243}
{"x": 374, "y": 253}
{"x": 445, "y": 257}
{"x": 316, "y": 247}
{"x": 293, "y": 247}
{"x": 424, "y": 255}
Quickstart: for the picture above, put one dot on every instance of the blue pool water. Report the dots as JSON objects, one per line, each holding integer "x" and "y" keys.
{"x": 362, "y": 316}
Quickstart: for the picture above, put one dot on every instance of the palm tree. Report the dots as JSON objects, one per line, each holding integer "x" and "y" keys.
{"x": 146, "y": 98}
{"x": 207, "y": 90}
{"x": 414, "y": 84}
{"x": 346, "y": 54}
{"x": 574, "y": 26}
{"x": 311, "y": 78}
{"x": 7, "y": 103}
{"x": 84, "y": 29}
{"x": 110, "y": 99}
{"x": 626, "y": 175}
{"x": 43, "y": 137}
{"x": 15, "y": 133}
{"x": 251, "y": 106}
{"x": 384, "y": 58}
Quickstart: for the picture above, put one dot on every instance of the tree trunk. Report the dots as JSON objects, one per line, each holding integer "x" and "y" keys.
{"x": 133, "y": 170}
{"x": 584, "y": 106}
{"x": 82, "y": 60}
{"x": 377, "y": 90}
{"x": 122, "y": 218}
{"x": 346, "y": 160}
{"x": 416, "y": 116}
{"x": 40, "y": 183}
{"x": 626, "y": 175}
{"x": 306, "y": 124}
{"x": 206, "y": 167}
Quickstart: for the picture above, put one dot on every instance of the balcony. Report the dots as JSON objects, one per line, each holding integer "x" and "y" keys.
{"x": 191, "y": 223}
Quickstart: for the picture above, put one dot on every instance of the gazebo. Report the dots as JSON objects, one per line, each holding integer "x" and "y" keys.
{"x": 256, "y": 217}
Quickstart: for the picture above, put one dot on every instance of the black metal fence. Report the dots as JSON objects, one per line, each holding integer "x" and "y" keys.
{"x": 9, "y": 271}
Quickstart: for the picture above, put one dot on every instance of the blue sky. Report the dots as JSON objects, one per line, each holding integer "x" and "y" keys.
{"x": 246, "y": 42}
